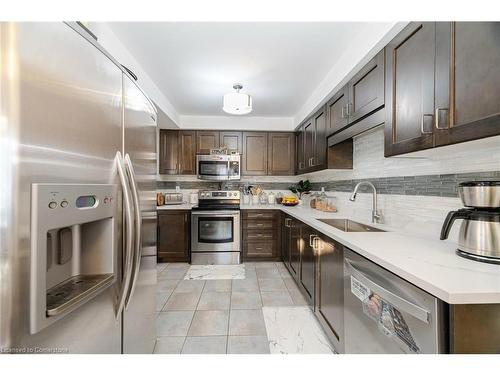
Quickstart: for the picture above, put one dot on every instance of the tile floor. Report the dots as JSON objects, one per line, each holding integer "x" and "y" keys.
{"x": 224, "y": 316}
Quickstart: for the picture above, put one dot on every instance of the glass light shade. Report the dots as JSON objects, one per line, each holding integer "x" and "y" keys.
{"x": 237, "y": 103}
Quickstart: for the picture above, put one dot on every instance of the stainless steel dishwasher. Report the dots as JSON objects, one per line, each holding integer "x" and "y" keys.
{"x": 386, "y": 314}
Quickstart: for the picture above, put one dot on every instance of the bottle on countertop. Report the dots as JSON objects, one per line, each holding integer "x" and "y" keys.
{"x": 271, "y": 198}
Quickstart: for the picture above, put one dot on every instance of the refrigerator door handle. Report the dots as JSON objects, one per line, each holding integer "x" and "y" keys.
{"x": 138, "y": 229}
{"x": 129, "y": 221}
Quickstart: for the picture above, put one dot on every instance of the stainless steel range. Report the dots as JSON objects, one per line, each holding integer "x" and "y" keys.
{"x": 215, "y": 228}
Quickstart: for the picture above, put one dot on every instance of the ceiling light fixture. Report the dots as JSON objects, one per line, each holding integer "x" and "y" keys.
{"x": 237, "y": 103}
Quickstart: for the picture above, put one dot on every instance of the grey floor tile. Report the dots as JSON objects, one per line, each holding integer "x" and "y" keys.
{"x": 160, "y": 267}
{"x": 173, "y": 274}
{"x": 245, "y": 300}
{"x": 161, "y": 298}
{"x": 251, "y": 274}
{"x": 166, "y": 286}
{"x": 217, "y": 286}
{"x": 169, "y": 345}
{"x": 276, "y": 299}
{"x": 272, "y": 285}
{"x": 209, "y": 323}
{"x": 214, "y": 301}
{"x": 178, "y": 265}
{"x": 245, "y": 285}
{"x": 285, "y": 274}
{"x": 247, "y": 323}
{"x": 205, "y": 345}
{"x": 190, "y": 286}
{"x": 291, "y": 285}
{"x": 247, "y": 345}
{"x": 298, "y": 299}
{"x": 182, "y": 301}
{"x": 268, "y": 273}
{"x": 264, "y": 265}
{"x": 173, "y": 323}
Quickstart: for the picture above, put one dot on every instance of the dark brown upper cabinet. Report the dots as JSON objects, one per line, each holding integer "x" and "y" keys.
{"x": 361, "y": 96}
{"x": 409, "y": 88}
{"x": 311, "y": 143}
{"x": 366, "y": 89}
{"x": 206, "y": 140}
{"x": 442, "y": 85}
{"x": 232, "y": 140}
{"x": 319, "y": 157}
{"x": 336, "y": 109}
{"x": 467, "y": 81}
{"x": 299, "y": 147}
{"x": 254, "y": 158}
{"x": 169, "y": 158}
{"x": 281, "y": 154}
{"x": 187, "y": 154}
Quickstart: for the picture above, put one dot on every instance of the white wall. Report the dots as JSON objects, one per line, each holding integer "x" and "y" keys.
{"x": 371, "y": 39}
{"x": 237, "y": 122}
{"x": 119, "y": 51}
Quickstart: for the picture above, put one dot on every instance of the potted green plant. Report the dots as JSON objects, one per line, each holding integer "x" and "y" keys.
{"x": 302, "y": 188}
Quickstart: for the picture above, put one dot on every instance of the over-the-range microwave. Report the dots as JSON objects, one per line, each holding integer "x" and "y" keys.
{"x": 218, "y": 167}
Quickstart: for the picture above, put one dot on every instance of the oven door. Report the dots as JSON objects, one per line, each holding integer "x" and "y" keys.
{"x": 216, "y": 170}
{"x": 214, "y": 231}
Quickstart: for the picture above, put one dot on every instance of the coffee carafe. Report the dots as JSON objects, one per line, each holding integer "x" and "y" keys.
{"x": 479, "y": 236}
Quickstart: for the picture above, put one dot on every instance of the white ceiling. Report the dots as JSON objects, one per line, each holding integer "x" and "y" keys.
{"x": 195, "y": 64}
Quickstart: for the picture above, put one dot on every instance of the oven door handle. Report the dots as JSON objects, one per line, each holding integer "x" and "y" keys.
{"x": 218, "y": 214}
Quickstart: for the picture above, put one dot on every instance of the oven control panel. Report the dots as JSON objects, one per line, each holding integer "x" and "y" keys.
{"x": 219, "y": 194}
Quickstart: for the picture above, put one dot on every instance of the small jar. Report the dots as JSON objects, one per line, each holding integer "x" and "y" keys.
{"x": 263, "y": 198}
{"x": 271, "y": 199}
{"x": 279, "y": 198}
{"x": 246, "y": 199}
{"x": 255, "y": 199}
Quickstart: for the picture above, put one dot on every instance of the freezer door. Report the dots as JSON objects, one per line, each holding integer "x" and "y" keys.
{"x": 61, "y": 123}
{"x": 139, "y": 323}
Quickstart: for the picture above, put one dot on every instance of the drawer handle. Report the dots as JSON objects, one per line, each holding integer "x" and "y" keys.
{"x": 259, "y": 224}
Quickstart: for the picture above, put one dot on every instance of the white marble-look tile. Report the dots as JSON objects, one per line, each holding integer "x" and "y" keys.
{"x": 294, "y": 330}
{"x": 215, "y": 272}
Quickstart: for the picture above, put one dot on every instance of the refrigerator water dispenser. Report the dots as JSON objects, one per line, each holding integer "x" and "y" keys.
{"x": 73, "y": 248}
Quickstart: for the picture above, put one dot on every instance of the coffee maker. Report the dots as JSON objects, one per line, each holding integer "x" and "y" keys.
{"x": 479, "y": 236}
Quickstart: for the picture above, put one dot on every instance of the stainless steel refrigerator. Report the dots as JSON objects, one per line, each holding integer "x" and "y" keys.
{"x": 77, "y": 196}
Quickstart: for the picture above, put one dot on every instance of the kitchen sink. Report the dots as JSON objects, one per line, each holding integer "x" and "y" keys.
{"x": 347, "y": 225}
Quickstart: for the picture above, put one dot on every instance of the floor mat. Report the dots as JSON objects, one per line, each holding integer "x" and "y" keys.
{"x": 294, "y": 330}
{"x": 215, "y": 272}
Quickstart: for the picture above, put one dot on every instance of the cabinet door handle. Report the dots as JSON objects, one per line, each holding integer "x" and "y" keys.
{"x": 436, "y": 118}
{"x": 422, "y": 130}
{"x": 316, "y": 244}
{"x": 348, "y": 110}
{"x": 288, "y": 222}
{"x": 311, "y": 238}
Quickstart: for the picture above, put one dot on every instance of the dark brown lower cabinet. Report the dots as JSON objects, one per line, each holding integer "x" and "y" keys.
{"x": 174, "y": 239}
{"x": 308, "y": 262}
{"x": 330, "y": 290}
{"x": 261, "y": 233}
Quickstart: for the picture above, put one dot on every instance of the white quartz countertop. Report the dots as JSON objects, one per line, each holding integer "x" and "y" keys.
{"x": 183, "y": 206}
{"x": 428, "y": 263}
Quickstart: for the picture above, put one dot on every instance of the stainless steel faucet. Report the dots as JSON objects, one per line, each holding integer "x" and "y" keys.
{"x": 375, "y": 214}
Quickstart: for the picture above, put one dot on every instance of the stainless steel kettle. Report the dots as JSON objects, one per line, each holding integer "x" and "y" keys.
{"x": 479, "y": 236}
